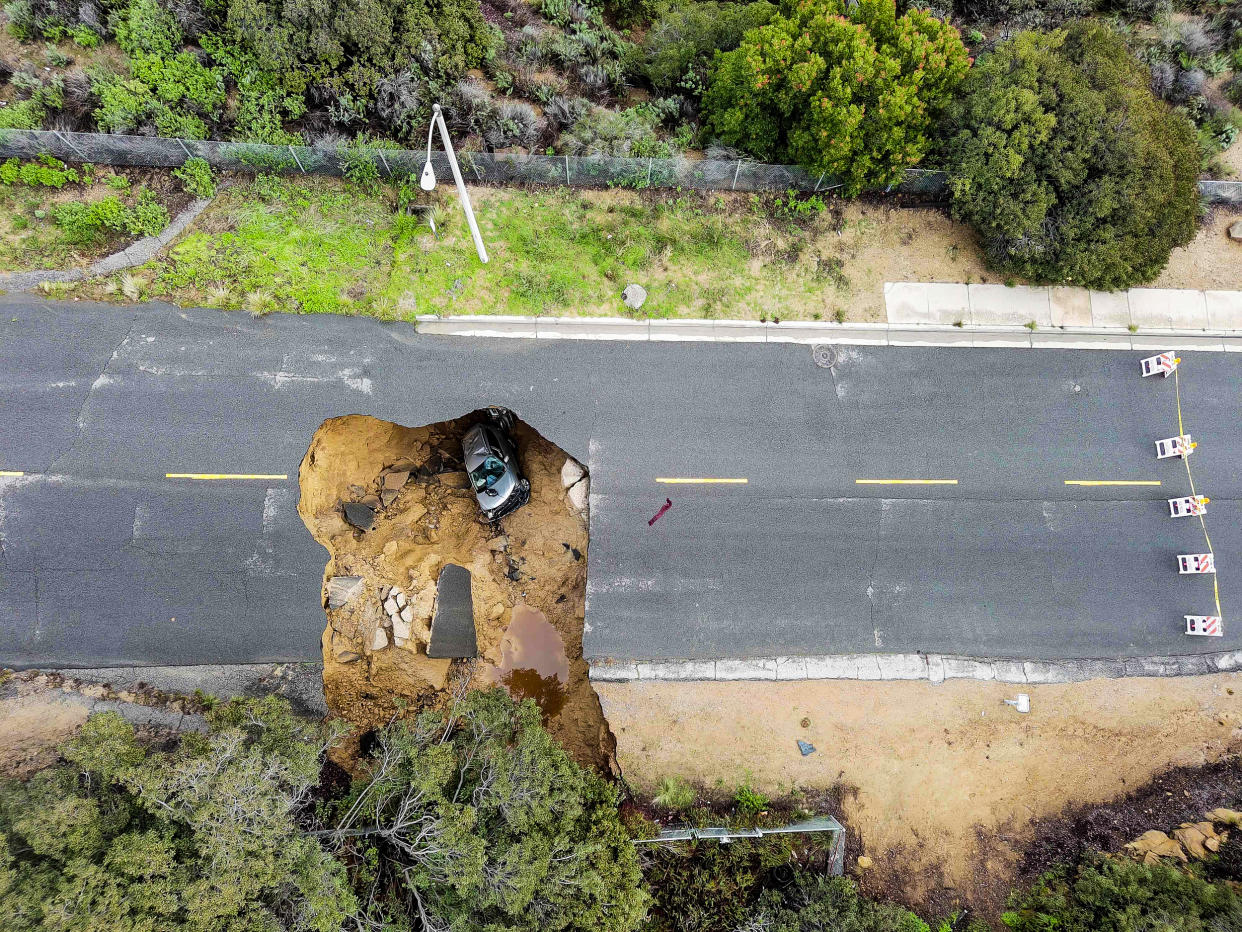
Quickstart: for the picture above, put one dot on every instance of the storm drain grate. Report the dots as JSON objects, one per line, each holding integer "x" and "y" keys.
{"x": 824, "y": 355}
{"x": 452, "y": 630}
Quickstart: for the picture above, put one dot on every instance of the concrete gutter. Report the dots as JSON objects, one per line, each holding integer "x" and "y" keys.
{"x": 935, "y": 668}
{"x": 137, "y": 253}
{"x": 810, "y": 332}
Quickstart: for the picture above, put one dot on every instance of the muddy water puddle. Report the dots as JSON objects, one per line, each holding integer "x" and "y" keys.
{"x": 533, "y": 664}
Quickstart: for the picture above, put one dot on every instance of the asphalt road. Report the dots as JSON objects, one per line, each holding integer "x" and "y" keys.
{"x": 105, "y": 561}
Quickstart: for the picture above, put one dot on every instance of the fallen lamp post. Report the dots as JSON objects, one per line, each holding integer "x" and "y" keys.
{"x": 427, "y": 181}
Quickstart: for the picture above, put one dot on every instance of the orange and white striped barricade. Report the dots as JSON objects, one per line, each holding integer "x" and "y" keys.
{"x": 1205, "y": 625}
{"x": 1191, "y": 563}
{"x": 1162, "y": 364}
{"x": 1188, "y": 506}
{"x": 1181, "y": 446}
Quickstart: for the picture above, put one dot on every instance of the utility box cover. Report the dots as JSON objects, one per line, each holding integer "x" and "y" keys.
{"x": 452, "y": 628}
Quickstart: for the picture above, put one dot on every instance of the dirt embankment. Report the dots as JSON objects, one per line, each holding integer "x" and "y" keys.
{"x": 945, "y": 787}
{"x": 426, "y": 517}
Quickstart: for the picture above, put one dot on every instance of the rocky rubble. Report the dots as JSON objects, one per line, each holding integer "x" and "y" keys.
{"x": 1195, "y": 840}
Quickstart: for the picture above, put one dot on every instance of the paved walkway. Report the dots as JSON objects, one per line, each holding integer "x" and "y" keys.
{"x": 950, "y": 303}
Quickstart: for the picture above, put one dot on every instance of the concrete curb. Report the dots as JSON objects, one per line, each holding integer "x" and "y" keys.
{"x": 811, "y": 332}
{"x": 135, "y": 254}
{"x": 935, "y": 668}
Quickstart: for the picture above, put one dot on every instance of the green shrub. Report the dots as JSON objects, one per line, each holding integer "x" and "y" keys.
{"x": 477, "y": 815}
{"x": 1059, "y": 188}
{"x": 84, "y": 37}
{"x": 815, "y": 903}
{"x": 196, "y": 177}
{"x": 203, "y": 837}
{"x": 1105, "y": 893}
{"x": 680, "y": 44}
{"x": 44, "y": 171}
{"x": 85, "y": 223}
{"x": 675, "y": 793}
{"x": 843, "y": 88}
{"x": 749, "y": 801}
{"x": 24, "y": 114}
{"x": 624, "y": 133}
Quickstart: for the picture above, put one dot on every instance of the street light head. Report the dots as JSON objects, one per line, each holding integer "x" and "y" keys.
{"x": 428, "y": 179}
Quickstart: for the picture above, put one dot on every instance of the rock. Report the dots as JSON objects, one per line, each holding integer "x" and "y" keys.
{"x": 390, "y": 605}
{"x": 1193, "y": 839}
{"x": 400, "y": 597}
{"x": 634, "y": 296}
{"x": 379, "y": 640}
{"x": 343, "y": 650}
{"x": 400, "y": 630}
{"x": 1226, "y": 816}
{"x": 1157, "y": 844}
{"x": 498, "y": 610}
{"x": 387, "y": 497}
{"x": 390, "y": 548}
{"x": 579, "y": 495}
{"x": 384, "y": 592}
{"x": 571, "y": 472}
{"x": 407, "y": 615}
{"x": 1235, "y": 230}
{"x": 496, "y": 544}
{"x": 360, "y": 516}
{"x": 343, "y": 588}
{"x": 394, "y": 481}
{"x": 453, "y": 480}
{"x": 372, "y": 501}
{"x": 348, "y": 656}
{"x": 415, "y": 511}
{"x": 864, "y": 862}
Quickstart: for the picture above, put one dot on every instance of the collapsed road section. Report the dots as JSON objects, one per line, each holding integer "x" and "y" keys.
{"x": 422, "y": 590}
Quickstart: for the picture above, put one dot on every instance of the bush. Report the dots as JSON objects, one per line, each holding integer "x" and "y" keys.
{"x": 681, "y": 42}
{"x": 846, "y": 89}
{"x": 203, "y": 838}
{"x": 815, "y": 903}
{"x": 475, "y": 818}
{"x": 25, "y": 114}
{"x": 1058, "y": 189}
{"x": 84, "y": 223}
{"x": 44, "y": 171}
{"x": 623, "y": 133}
{"x": 196, "y": 178}
{"x": 1114, "y": 893}
{"x": 675, "y": 793}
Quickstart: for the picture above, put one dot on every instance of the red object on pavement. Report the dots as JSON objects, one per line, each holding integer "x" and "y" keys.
{"x": 668, "y": 503}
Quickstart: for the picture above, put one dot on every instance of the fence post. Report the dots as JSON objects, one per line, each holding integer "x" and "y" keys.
{"x": 296, "y": 161}
{"x": 67, "y": 142}
{"x": 567, "y": 171}
{"x": 385, "y": 161}
{"x": 818, "y": 183}
{"x": 737, "y": 169}
{"x": 181, "y": 143}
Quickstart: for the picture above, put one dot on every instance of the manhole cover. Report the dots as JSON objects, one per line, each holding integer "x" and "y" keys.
{"x": 824, "y": 355}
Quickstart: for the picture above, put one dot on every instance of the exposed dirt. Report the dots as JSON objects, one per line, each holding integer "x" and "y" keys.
{"x": 535, "y": 560}
{"x": 1211, "y": 261}
{"x": 943, "y": 787}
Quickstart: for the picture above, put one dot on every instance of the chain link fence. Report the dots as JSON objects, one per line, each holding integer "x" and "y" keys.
{"x": 481, "y": 167}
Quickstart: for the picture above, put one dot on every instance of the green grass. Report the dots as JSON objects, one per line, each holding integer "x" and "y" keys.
{"x": 31, "y": 239}
{"x": 323, "y": 245}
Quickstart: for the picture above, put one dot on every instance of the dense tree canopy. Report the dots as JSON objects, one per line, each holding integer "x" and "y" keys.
{"x": 476, "y": 818}
{"x": 847, "y": 88}
{"x": 1067, "y": 165}
{"x": 202, "y": 839}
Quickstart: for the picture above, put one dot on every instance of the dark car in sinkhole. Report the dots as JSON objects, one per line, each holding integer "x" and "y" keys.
{"x": 492, "y": 463}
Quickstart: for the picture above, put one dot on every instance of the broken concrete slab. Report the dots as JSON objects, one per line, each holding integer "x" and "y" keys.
{"x": 395, "y": 481}
{"x": 453, "y": 480}
{"x": 387, "y": 497}
{"x": 341, "y": 589}
{"x": 359, "y": 515}
{"x": 452, "y": 629}
{"x": 571, "y": 472}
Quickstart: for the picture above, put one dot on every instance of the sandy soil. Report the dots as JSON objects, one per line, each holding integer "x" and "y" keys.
{"x": 537, "y": 558}
{"x": 1212, "y": 260}
{"x": 32, "y": 724}
{"x": 942, "y": 784}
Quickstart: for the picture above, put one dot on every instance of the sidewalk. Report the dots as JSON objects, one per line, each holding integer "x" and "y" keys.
{"x": 1179, "y": 310}
{"x": 932, "y": 314}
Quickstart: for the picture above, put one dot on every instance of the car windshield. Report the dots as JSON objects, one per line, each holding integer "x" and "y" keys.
{"x": 487, "y": 474}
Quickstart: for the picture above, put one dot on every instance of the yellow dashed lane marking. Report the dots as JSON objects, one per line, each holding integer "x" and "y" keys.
{"x": 687, "y": 481}
{"x": 221, "y": 475}
{"x": 1112, "y": 481}
{"x": 905, "y": 482}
